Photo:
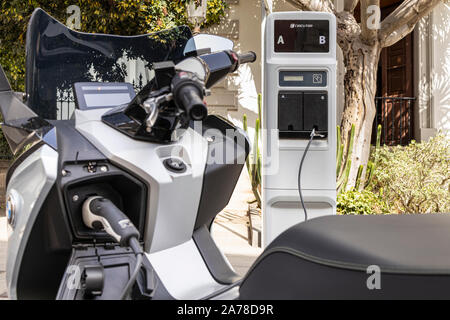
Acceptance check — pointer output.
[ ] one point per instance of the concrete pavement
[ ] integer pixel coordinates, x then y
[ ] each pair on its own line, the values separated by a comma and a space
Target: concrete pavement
3, 243
230, 228
236, 248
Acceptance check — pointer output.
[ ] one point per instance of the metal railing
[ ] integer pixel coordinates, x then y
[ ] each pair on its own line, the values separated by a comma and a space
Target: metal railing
395, 116
65, 104
65, 101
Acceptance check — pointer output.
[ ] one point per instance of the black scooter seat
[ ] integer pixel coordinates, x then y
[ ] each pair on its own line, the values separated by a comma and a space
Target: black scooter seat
337, 257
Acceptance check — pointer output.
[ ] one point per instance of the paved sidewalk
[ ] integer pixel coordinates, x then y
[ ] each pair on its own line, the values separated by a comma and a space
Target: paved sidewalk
240, 254
3, 243
230, 228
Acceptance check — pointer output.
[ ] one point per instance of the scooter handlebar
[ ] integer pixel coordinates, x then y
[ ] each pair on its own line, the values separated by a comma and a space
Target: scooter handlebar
188, 94
247, 57
191, 101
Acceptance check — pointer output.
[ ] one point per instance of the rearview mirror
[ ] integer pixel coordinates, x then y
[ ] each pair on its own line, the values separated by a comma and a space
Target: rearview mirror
206, 43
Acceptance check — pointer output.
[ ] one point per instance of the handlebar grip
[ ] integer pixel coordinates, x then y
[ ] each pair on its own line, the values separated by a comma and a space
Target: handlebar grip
191, 101
248, 57
188, 93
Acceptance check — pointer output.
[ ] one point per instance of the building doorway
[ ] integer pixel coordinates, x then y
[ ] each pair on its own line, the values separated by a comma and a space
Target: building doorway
395, 94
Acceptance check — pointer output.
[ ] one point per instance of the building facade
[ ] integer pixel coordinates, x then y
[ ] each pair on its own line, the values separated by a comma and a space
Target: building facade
413, 96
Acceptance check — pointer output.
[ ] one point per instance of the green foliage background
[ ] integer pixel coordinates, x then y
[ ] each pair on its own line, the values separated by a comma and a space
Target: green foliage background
415, 178
122, 17
365, 202
407, 179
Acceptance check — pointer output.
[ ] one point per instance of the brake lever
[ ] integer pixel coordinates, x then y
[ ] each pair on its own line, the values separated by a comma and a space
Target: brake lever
151, 107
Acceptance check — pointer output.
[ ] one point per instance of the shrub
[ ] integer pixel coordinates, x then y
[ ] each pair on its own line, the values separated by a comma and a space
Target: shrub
363, 202
123, 17
5, 152
415, 178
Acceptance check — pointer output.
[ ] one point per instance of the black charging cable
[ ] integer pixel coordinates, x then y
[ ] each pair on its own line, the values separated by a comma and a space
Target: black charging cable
312, 136
136, 247
101, 213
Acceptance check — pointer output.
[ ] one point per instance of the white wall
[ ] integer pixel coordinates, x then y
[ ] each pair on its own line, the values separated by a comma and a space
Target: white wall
432, 73
238, 94
440, 73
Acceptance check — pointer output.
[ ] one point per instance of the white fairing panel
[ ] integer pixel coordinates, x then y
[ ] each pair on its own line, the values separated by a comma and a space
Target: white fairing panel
183, 272
29, 186
173, 197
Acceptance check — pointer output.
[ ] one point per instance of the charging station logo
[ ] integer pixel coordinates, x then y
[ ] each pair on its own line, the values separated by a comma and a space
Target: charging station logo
125, 223
317, 78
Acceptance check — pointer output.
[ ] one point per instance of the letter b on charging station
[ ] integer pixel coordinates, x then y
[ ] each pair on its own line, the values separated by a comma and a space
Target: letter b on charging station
299, 96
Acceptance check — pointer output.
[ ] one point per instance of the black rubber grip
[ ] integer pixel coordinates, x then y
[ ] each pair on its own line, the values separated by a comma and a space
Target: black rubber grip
248, 57
118, 221
191, 101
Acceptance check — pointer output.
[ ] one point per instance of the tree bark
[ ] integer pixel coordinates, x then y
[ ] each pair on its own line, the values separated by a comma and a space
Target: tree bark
313, 5
361, 62
361, 52
403, 19
350, 5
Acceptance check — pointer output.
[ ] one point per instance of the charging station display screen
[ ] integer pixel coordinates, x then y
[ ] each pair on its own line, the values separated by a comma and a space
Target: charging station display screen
290, 78
302, 36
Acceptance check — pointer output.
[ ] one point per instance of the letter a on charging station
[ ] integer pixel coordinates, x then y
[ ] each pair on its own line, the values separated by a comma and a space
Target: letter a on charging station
299, 96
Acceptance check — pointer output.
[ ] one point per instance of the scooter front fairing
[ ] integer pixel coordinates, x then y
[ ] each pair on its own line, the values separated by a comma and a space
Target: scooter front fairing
66, 154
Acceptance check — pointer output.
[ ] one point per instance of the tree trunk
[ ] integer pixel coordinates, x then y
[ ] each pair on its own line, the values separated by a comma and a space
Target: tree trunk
360, 82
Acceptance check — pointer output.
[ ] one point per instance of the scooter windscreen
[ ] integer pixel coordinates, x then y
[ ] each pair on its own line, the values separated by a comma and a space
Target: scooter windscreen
58, 57
206, 43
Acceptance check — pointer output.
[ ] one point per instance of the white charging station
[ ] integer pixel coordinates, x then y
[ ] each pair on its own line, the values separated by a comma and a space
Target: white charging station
299, 95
